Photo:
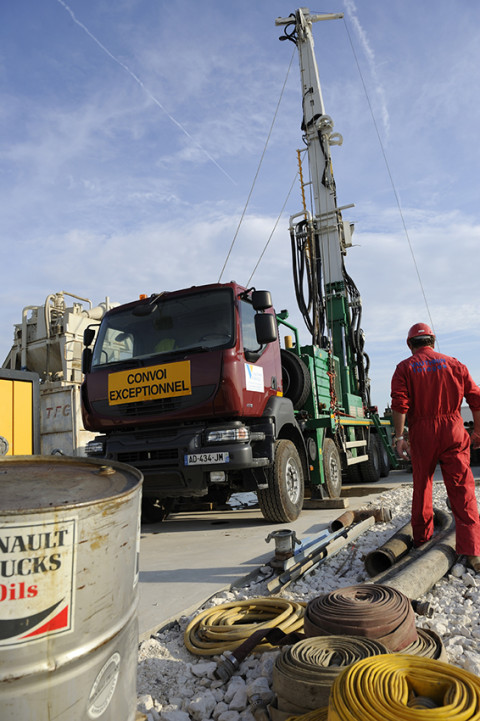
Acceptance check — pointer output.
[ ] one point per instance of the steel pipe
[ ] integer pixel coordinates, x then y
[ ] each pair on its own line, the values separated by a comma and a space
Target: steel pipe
381, 515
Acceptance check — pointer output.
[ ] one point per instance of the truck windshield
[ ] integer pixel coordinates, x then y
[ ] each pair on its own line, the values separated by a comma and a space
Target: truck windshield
196, 321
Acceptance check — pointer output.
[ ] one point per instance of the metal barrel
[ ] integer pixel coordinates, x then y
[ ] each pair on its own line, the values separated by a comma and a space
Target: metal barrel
69, 549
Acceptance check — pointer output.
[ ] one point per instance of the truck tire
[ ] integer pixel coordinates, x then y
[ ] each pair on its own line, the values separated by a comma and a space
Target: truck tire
384, 458
370, 469
332, 468
296, 379
353, 473
282, 501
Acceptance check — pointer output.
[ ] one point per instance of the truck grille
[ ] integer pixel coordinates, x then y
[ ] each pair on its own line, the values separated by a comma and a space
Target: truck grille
134, 457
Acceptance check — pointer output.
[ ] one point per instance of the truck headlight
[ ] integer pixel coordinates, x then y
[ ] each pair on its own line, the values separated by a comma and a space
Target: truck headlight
95, 448
222, 435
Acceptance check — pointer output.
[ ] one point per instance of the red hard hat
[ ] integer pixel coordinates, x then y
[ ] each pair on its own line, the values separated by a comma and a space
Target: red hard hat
418, 330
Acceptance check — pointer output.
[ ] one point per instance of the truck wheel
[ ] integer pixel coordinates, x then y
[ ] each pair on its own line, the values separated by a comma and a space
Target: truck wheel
282, 501
384, 458
332, 468
370, 469
353, 473
296, 379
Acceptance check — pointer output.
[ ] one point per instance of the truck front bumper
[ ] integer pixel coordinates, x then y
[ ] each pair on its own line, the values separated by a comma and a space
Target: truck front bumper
176, 461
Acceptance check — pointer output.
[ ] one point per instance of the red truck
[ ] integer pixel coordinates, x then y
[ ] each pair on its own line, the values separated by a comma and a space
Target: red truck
187, 386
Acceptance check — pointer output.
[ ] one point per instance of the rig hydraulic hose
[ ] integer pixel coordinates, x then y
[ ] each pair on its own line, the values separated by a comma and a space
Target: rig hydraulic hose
225, 627
400, 687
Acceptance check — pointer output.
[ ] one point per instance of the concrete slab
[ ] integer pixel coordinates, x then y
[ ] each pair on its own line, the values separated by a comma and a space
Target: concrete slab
191, 556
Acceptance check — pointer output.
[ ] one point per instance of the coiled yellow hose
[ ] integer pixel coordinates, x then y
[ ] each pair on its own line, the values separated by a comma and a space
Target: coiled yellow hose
223, 628
401, 687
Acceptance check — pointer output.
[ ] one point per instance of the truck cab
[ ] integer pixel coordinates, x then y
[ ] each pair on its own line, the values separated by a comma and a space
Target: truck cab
187, 387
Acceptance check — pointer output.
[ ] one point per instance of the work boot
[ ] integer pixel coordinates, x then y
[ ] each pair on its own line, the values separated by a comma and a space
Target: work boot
474, 562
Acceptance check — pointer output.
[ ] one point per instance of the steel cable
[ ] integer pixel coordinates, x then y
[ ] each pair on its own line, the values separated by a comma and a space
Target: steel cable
225, 627
371, 610
304, 673
401, 687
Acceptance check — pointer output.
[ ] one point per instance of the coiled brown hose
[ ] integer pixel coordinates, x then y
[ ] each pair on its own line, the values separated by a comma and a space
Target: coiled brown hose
370, 610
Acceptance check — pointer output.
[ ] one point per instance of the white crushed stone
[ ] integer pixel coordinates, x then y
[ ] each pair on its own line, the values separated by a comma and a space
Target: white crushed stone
175, 685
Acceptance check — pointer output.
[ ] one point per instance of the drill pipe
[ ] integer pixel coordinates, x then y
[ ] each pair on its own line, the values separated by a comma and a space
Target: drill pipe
346, 519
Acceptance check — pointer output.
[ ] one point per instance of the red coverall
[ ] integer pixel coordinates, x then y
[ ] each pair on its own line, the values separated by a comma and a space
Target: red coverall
430, 387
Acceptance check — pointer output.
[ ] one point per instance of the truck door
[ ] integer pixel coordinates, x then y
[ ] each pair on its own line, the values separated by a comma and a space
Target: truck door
262, 368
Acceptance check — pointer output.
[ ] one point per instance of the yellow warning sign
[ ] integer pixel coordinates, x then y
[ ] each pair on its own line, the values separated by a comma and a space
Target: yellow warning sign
151, 383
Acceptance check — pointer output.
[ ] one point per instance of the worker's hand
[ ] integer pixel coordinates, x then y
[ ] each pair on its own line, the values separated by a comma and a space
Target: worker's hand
403, 448
475, 439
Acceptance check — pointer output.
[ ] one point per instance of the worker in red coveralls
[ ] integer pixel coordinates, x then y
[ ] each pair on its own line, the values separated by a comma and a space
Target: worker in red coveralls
430, 387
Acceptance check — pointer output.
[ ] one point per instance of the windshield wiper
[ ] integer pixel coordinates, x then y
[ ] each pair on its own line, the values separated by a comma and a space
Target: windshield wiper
147, 308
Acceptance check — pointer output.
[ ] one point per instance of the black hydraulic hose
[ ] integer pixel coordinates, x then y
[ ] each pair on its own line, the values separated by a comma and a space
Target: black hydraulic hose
298, 263
307, 271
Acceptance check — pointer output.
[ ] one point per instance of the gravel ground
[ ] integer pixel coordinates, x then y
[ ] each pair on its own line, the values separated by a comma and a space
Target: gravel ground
175, 685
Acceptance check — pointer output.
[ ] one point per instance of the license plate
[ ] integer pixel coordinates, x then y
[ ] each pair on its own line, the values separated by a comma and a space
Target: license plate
199, 459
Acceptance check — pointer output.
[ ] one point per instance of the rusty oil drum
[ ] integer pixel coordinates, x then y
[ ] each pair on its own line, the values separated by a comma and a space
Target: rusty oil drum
69, 548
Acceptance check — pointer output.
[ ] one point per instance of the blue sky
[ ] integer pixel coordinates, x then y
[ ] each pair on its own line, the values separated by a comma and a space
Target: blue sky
131, 132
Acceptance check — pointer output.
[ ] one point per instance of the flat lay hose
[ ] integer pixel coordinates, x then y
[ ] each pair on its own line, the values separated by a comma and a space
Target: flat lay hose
372, 610
401, 687
225, 627
304, 673
320, 714
428, 645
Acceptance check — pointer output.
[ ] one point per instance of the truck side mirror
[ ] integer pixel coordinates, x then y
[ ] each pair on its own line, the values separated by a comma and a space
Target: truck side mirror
86, 360
265, 328
88, 336
261, 299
